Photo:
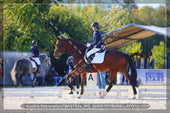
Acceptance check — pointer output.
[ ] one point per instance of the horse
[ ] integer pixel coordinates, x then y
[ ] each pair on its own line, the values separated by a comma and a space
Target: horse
25, 66
114, 61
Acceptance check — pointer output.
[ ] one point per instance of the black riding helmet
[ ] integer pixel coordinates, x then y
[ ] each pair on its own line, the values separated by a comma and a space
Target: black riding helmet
34, 41
95, 24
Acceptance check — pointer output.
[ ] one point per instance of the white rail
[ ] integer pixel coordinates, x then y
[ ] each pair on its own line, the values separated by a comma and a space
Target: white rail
32, 92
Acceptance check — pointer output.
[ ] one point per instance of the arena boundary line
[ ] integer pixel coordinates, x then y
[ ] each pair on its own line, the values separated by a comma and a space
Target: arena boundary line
118, 92
153, 93
143, 93
32, 92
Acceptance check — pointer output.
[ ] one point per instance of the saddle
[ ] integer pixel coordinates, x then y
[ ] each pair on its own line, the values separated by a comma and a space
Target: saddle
33, 62
97, 57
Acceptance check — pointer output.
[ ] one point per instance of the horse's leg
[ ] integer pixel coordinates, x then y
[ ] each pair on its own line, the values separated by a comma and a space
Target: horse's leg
15, 82
34, 80
112, 77
127, 76
21, 82
83, 77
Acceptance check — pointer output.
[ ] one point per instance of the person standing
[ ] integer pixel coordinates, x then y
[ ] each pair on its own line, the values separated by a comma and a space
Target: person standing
101, 81
72, 80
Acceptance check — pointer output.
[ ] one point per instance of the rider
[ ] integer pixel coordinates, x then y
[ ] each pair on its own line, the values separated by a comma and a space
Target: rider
95, 46
35, 54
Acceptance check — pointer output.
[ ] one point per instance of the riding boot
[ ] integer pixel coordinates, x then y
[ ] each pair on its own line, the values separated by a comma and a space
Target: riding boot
88, 68
38, 68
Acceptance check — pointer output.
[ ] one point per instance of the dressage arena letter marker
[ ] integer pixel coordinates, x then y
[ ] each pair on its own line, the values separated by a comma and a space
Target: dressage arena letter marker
91, 82
90, 77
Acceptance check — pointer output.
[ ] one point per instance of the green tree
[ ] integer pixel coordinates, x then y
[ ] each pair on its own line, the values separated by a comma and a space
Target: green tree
132, 48
68, 22
158, 53
1, 26
150, 42
23, 23
150, 16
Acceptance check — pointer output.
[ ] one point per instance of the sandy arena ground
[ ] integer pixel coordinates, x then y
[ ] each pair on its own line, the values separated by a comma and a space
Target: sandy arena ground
83, 103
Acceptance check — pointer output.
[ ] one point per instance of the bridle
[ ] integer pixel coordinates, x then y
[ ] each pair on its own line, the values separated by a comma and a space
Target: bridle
60, 46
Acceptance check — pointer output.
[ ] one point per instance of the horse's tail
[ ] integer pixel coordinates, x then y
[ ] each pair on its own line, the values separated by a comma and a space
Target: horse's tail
15, 70
133, 77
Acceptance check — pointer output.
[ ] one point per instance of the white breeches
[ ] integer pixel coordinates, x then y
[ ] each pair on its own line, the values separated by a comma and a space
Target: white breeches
37, 60
92, 51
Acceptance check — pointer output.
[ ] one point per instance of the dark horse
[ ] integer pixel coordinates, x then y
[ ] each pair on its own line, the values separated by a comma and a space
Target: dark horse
25, 66
114, 61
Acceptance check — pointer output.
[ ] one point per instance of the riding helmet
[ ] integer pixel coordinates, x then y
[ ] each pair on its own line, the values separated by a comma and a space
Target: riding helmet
95, 24
34, 41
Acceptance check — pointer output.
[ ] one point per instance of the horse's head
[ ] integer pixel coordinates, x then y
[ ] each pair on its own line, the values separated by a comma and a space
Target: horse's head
59, 48
45, 59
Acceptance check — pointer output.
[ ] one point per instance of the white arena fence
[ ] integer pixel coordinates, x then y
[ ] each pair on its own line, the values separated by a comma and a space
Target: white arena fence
32, 92
153, 93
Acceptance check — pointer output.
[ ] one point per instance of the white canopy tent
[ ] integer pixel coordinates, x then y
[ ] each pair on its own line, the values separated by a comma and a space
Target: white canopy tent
132, 33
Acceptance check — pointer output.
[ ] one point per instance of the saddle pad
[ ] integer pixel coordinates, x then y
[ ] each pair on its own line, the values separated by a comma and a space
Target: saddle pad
99, 57
33, 64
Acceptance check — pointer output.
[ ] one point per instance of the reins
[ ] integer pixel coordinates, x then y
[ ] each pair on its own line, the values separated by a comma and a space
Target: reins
65, 52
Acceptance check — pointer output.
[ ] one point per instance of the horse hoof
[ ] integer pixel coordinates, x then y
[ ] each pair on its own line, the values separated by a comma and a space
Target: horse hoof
102, 97
134, 97
73, 89
78, 97
32, 85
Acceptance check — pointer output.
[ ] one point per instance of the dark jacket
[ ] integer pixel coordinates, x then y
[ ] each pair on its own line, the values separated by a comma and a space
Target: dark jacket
97, 39
34, 51
68, 66
51, 73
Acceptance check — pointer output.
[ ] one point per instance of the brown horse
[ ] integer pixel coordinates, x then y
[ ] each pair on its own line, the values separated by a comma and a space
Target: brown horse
114, 61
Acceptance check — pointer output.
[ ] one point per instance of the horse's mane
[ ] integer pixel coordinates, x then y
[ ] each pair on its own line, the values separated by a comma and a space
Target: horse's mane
76, 43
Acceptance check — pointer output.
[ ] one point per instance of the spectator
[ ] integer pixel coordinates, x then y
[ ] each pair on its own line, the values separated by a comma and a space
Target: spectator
101, 81
53, 76
72, 80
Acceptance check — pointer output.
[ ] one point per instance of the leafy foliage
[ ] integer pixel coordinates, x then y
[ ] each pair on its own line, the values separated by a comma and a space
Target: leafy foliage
24, 23
158, 53
68, 22
150, 16
132, 48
